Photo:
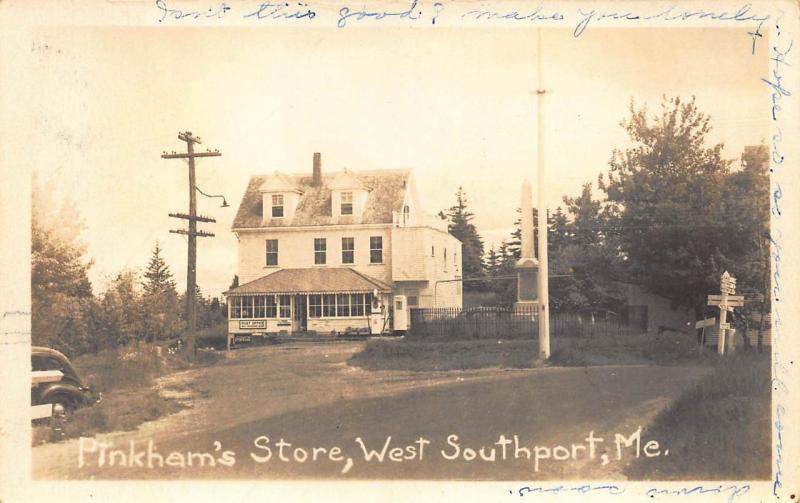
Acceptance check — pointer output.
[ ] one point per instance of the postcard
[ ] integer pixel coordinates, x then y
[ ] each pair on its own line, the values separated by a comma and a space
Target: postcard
335, 250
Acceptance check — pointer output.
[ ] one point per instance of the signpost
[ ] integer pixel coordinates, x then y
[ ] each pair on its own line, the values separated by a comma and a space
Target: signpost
726, 302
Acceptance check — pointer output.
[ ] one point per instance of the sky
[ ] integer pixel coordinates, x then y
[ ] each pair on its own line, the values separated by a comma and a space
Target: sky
455, 105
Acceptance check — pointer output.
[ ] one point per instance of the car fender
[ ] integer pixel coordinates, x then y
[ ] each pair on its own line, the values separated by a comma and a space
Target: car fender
59, 388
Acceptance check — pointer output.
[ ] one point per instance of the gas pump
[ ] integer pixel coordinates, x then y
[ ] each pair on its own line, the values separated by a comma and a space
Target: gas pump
377, 316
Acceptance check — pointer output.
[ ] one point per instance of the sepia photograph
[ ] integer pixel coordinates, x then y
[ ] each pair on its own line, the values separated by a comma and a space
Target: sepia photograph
529, 244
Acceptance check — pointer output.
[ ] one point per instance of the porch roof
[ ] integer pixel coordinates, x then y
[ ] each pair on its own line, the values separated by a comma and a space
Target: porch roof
312, 280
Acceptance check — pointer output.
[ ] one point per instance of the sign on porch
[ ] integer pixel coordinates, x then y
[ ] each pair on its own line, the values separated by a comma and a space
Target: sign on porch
243, 324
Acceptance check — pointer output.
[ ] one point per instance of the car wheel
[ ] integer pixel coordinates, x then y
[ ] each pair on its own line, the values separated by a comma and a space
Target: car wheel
63, 405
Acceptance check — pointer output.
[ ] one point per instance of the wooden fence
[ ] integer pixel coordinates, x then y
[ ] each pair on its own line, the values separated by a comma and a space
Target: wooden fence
505, 323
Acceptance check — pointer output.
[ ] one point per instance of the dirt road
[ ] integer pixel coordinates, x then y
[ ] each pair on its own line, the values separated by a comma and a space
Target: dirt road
344, 422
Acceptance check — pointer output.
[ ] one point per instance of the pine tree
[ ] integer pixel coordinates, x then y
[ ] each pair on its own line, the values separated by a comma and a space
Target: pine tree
158, 278
461, 226
161, 306
560, 231
492, 263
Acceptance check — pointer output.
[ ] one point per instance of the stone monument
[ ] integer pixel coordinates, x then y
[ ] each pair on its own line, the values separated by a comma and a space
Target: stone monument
527, 265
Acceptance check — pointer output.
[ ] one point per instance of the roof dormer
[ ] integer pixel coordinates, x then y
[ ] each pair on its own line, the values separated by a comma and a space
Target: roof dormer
348, 196
279, 197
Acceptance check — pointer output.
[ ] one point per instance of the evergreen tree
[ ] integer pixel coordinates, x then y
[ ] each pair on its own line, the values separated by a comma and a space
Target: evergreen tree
560, 231
588, 223
158, 277
492, 263
460, 225
160, 304
123, 318
506, 289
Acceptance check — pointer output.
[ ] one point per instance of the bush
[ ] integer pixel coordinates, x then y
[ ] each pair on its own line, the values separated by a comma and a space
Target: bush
213, 337
125, 367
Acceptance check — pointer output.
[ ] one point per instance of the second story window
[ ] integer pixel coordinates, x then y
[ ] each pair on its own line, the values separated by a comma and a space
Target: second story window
320, 249
277, 205
348, 250
347, 203
376, 250
272, 252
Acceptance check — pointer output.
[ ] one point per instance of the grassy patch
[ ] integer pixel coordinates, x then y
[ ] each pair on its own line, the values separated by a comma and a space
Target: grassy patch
124, 377
122, 410
457, 355
422, 355
718, 429
666, 349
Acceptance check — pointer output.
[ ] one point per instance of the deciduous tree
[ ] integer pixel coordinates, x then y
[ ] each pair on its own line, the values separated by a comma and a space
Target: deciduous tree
666, 191
61, 293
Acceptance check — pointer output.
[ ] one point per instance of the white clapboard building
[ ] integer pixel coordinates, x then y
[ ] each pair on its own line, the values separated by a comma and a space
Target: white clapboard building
342, 252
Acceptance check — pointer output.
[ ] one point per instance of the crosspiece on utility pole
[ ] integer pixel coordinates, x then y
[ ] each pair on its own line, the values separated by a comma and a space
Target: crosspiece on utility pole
202, 234
189, 156
198, 218
192, 232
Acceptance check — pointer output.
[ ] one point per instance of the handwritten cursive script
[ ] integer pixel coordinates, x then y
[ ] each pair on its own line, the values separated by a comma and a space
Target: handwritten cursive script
178, 14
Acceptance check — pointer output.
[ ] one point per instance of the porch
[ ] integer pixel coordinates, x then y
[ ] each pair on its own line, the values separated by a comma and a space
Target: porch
315, 300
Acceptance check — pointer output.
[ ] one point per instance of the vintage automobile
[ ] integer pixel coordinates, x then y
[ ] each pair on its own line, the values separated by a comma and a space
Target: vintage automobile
67, 394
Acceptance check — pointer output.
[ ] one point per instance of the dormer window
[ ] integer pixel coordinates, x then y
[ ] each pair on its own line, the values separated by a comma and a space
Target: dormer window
347, 203
277, 205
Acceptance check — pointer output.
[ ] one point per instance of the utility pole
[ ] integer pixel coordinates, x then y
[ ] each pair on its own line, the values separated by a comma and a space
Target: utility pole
192, 233
543, 294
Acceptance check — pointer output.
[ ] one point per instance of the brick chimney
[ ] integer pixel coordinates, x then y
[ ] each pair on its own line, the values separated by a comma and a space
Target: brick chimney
317, 173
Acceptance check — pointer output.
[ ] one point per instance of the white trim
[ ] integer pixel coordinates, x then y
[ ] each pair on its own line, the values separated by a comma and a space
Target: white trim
297, 228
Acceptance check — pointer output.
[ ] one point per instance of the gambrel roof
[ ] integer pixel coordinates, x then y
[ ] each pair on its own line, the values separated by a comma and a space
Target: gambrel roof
386, 190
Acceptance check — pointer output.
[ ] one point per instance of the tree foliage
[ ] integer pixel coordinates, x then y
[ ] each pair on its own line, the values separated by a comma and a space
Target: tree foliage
160, 301
666, 193
61, 293
460, 225
746, 203
68, 316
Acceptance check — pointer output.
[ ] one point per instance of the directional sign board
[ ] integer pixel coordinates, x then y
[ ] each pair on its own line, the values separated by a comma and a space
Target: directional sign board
727, 303
708, 322
730, 297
